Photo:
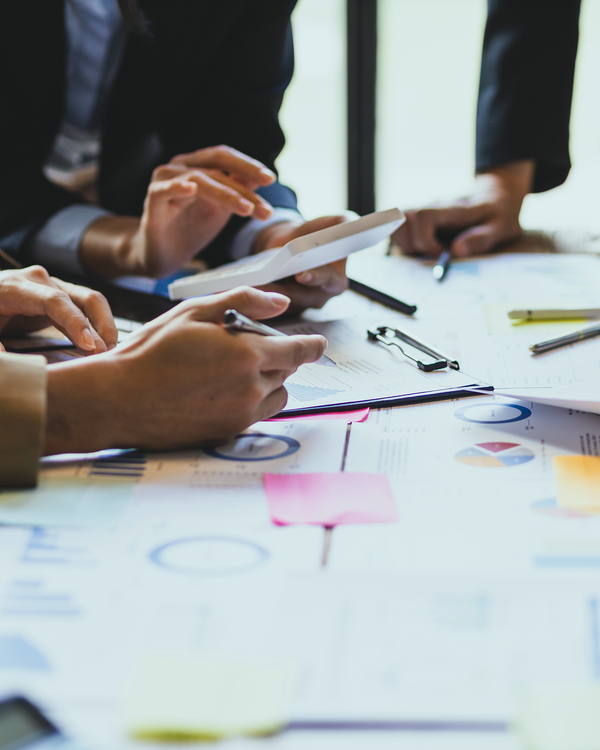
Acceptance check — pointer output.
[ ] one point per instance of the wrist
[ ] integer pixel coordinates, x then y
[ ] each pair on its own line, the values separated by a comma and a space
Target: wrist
108, 247
514, 179
81, 415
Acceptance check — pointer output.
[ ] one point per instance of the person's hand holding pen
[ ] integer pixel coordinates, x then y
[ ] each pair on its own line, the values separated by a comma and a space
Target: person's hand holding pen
181, 380
480, 221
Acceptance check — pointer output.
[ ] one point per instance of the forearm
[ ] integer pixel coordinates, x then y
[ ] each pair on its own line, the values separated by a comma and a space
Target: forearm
526, 85
22, 414
107, 248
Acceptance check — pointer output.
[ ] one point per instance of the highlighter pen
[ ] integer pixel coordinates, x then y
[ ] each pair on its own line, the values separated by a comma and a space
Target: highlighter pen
381, 297
562, 314
442, 265
235, 321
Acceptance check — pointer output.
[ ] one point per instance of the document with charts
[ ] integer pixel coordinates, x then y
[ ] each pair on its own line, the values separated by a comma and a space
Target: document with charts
365, 373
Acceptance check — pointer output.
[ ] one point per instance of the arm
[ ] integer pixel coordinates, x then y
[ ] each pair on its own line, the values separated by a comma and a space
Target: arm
22, 418
522, 127
526, 87
182, 380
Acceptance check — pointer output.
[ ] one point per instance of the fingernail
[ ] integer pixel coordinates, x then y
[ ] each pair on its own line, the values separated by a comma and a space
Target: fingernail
305, 278
246, 206
267, 173
276, 297
88, 339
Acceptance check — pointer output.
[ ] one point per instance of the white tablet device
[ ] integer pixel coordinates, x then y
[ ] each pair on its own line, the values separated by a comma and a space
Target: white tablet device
301, 254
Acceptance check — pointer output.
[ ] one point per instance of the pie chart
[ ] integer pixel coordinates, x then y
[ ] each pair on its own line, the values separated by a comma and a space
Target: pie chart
493, 413
495, 455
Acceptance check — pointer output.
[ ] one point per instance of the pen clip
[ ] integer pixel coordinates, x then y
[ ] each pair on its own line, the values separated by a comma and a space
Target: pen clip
392, 336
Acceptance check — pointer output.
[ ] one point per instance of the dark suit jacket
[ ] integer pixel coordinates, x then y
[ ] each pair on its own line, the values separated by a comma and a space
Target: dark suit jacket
213, 72
526, 86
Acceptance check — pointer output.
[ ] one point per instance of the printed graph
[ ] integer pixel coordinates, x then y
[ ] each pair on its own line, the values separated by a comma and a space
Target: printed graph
209, 555
495, 455
122, 464
255, 446
493, 413
309, 392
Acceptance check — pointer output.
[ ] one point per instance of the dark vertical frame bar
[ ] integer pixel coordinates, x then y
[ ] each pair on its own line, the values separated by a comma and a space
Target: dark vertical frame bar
362, 78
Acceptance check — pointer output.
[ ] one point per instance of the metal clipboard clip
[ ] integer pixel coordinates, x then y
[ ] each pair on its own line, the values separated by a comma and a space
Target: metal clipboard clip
393, 336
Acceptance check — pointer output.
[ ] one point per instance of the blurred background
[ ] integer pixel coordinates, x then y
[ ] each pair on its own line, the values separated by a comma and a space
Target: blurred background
428, 73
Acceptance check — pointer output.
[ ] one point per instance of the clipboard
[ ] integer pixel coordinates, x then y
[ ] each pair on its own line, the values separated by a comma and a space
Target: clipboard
373, 372
385, 403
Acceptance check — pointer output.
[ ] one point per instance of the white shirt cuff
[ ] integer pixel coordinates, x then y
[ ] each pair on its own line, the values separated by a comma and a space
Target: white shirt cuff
243, 241
56, 245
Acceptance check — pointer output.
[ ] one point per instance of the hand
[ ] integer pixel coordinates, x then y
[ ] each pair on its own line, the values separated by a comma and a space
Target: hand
30, 299
311, 288
187, 204
483, 220
181, 380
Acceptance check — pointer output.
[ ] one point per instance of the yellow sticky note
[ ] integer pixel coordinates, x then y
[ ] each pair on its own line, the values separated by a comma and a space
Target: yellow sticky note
578, 482
560, 717
207, 696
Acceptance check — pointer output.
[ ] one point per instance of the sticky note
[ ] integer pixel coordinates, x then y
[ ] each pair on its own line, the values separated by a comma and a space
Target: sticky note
560, 717
577, 482
330, 499
193, 695
349, 416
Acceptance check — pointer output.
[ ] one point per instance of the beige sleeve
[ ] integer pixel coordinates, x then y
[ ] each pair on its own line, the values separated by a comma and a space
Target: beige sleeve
22, 417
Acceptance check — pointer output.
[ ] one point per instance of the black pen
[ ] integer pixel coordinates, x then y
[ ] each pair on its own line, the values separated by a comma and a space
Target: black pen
570, 338
384, 299
442, 265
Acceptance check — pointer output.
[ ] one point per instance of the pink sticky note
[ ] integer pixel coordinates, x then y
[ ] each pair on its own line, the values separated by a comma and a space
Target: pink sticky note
330, 499
349, 416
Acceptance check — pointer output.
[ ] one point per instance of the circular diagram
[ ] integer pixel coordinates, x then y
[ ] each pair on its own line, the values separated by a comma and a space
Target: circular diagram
495, 455
209, 555
255, 446
550, 507
492, 413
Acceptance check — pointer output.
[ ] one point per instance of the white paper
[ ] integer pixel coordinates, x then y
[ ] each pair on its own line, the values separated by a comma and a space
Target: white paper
364, 370
583, 396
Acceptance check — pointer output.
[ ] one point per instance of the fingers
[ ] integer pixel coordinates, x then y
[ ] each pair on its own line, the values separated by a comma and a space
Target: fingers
476, 241
228, 160
273, 403
417, 236
331, 278
184, 188
97, 310
290, 352
67, 317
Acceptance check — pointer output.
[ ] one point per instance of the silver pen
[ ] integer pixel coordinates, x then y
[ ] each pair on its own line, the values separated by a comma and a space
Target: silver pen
570, 338
235, 321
